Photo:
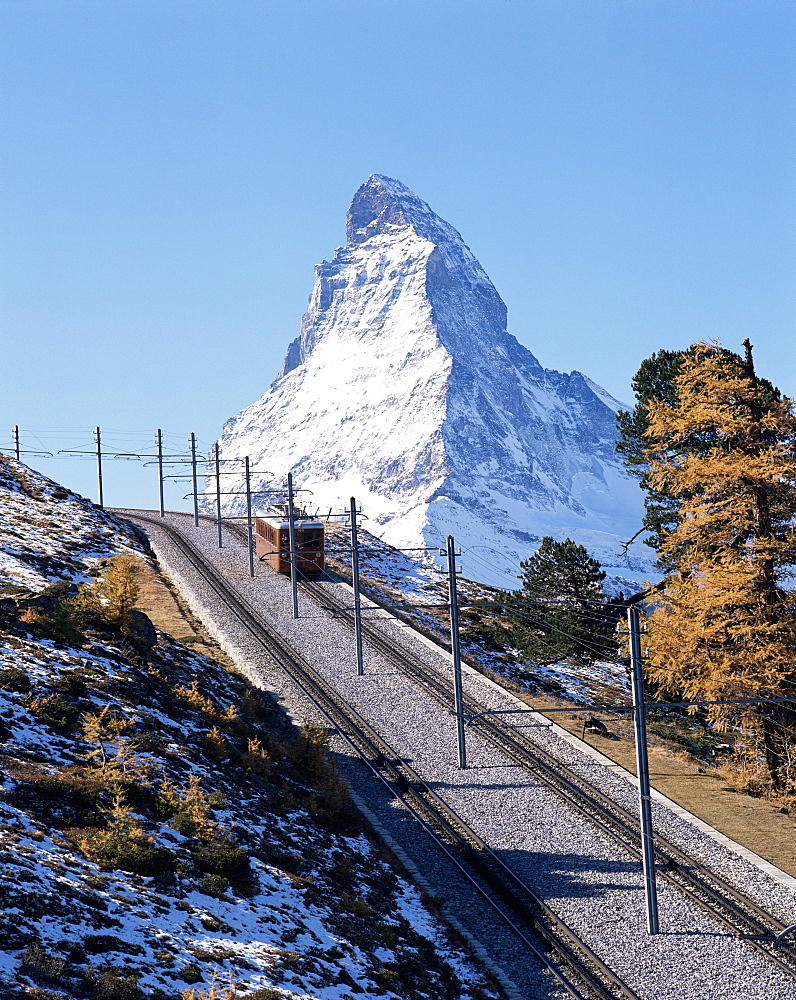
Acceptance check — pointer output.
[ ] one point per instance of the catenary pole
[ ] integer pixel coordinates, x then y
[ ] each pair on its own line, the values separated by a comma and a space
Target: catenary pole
195, 486
16, 441
642, 766
100, 499
160, 472
291, 521
458, 706
249, 517
218, 498
355, 583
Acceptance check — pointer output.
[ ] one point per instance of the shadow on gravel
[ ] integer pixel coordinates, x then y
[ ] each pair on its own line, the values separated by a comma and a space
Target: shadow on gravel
573, 876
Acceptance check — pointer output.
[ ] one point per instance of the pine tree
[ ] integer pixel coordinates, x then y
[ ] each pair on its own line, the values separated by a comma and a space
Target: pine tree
564, 609
653, 382
722, 448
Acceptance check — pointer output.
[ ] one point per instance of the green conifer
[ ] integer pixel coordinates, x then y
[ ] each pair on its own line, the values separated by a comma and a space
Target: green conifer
561, 609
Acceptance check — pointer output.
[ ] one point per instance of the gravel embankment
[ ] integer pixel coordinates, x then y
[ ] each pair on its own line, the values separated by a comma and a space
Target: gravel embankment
588, 880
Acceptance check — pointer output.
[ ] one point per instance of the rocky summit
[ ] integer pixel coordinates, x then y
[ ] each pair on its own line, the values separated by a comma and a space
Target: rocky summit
406, 390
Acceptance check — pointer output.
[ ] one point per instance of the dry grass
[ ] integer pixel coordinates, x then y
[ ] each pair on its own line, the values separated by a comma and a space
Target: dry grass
755, 823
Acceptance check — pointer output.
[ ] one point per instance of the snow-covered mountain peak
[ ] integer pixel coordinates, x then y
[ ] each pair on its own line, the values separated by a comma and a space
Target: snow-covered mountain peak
384, 206
406, 390
401, 260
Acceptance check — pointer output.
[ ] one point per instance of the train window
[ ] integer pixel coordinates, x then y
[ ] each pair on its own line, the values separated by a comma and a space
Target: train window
312, 540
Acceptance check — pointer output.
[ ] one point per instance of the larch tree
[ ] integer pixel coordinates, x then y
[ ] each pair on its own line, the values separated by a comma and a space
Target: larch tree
722, 449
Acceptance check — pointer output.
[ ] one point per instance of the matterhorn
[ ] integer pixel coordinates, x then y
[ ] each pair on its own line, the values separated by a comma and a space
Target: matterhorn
406, 391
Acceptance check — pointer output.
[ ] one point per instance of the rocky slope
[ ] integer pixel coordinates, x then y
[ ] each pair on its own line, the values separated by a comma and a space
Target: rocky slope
406, 390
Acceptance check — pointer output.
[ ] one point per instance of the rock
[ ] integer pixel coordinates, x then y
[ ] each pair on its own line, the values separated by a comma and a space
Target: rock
140, 630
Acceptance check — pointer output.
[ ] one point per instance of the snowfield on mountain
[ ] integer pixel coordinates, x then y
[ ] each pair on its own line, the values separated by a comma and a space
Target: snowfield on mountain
406, 390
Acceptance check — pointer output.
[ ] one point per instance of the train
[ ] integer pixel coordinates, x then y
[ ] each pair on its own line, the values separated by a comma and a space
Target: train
272, 543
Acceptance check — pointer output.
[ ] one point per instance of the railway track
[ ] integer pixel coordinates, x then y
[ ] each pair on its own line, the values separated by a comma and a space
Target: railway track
707, 889
576, 968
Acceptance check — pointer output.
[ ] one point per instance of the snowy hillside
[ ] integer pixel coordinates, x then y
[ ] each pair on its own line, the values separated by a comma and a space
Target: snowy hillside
49, 534
405, 390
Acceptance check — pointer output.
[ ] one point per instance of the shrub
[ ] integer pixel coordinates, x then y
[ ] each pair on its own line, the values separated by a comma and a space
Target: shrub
40, 964
54, 615
111, 751
217, 991
310, 750
189, 808
190, 974
356, 905
222, 858
216, 745
14, 679
330, 803
249, 704
54, 709
214, 885
119, 588
194, 698
257, 759
72, 683
124, 845
111, 983
95, 944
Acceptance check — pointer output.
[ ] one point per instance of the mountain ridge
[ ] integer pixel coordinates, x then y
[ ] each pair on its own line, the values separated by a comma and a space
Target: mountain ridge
406, 390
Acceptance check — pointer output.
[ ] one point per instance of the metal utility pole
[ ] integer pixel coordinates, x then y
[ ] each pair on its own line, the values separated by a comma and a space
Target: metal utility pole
160, 472
195, 487
458, 706
100, 501
642, 765
355, 582
249, 517
16, 441
218, 498
291, 514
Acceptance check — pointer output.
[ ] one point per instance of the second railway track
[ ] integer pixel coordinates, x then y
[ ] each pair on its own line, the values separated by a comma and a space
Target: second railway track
737, 911
707, 889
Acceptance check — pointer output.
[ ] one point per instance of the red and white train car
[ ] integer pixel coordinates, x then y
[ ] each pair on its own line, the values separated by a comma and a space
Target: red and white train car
272, 537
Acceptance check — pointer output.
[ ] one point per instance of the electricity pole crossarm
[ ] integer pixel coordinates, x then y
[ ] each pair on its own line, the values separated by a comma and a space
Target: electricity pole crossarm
36, 453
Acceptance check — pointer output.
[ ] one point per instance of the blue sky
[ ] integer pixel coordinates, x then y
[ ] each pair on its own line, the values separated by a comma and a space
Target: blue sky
171, 172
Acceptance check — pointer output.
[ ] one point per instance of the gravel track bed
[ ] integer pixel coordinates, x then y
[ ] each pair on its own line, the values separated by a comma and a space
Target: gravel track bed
589, 881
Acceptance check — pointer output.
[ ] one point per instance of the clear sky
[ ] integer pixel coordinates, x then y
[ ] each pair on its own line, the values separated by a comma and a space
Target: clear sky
171, 172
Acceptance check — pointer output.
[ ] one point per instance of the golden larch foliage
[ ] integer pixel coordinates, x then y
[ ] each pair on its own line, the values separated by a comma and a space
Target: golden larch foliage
725, 625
